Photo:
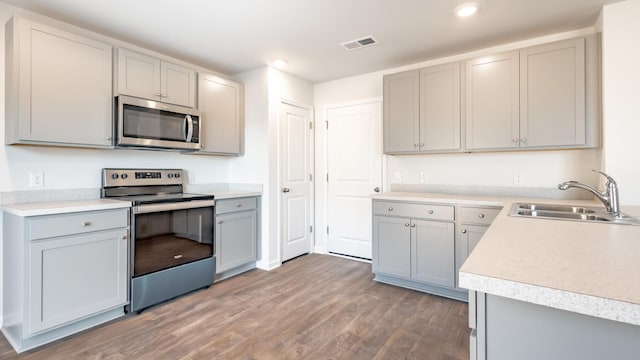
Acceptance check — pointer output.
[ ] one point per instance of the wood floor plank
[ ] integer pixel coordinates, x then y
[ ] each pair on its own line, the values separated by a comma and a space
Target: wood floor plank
312, 307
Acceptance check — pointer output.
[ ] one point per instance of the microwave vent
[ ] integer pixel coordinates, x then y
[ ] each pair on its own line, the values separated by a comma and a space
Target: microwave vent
359, 43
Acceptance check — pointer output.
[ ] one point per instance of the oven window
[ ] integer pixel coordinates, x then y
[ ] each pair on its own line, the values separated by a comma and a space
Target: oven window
171, 238
145, 123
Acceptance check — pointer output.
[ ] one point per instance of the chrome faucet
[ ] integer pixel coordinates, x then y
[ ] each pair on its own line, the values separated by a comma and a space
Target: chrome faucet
609, 197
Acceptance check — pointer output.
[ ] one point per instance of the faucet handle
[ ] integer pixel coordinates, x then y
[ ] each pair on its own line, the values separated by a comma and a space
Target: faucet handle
609, 178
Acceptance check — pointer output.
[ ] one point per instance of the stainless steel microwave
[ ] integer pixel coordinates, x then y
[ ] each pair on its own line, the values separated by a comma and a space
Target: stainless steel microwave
155, 125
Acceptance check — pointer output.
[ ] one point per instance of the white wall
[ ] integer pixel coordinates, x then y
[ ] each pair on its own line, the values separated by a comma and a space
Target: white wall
265, 88
621, 97
537, 168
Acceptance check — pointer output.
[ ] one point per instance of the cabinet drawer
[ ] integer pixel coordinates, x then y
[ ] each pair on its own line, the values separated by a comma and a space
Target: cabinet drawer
232, 205
478, 215
77, 223
416, 211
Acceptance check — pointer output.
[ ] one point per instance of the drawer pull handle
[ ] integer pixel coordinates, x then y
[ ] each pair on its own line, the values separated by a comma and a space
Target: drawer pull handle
481, 216
177, 256
390, 209
430, 212
86, 223
239, 205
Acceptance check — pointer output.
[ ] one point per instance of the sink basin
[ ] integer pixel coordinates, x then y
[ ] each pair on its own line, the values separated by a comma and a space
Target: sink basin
558, 208
569, 212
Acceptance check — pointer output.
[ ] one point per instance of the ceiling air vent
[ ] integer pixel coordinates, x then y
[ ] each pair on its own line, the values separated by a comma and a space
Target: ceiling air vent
359, 43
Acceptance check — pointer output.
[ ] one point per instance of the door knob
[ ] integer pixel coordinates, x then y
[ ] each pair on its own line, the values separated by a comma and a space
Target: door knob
377, 189
285, 190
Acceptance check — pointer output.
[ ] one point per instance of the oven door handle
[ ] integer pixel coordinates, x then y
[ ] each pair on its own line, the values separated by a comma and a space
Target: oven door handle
151, 208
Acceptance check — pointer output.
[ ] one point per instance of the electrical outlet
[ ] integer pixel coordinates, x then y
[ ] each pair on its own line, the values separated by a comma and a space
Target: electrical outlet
423, 177
517, 178
36, 179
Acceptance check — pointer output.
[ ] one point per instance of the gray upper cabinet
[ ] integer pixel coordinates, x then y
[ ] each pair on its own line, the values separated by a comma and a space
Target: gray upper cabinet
58, 87
491, 104
401, 112
222, 111
532, 98
440, 107
552, 94
150, 78
422, 110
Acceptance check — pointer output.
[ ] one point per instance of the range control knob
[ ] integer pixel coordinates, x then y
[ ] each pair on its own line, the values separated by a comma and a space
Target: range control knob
177, 175
124, 176
114, 176
170, 175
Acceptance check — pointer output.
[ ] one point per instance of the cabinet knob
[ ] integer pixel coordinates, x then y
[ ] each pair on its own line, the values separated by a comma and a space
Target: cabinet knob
413, 225
124, 237
376, 189
164, 95
481, 216
523, 139
515, 140
430, 212
86, 223
390, 209
157, 94
109, 138
416, 145
464, 231
239, 205
407, 224
421, 144
285, 190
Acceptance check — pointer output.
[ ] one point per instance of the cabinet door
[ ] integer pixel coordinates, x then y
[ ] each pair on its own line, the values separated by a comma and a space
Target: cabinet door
76, 276
392, 246
64, 88
552, 94
440, 107
401, 112
221, 108
177, 84
236, 243
473, 236
432, 250
492, 102
138, 75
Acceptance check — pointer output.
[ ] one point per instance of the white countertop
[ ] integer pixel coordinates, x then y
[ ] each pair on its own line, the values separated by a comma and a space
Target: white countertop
588, 268
60, 207
232, 194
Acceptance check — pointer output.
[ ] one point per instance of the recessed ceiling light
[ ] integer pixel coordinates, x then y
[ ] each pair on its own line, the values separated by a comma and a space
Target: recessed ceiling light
279, 63
466, 9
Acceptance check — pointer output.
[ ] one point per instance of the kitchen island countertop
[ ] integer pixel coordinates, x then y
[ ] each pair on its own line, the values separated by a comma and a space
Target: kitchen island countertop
587, 268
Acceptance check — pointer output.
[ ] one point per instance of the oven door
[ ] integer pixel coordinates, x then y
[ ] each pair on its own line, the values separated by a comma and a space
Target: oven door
167, 235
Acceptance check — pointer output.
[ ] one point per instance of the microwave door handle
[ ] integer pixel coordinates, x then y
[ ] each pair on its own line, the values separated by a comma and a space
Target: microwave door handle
189, 125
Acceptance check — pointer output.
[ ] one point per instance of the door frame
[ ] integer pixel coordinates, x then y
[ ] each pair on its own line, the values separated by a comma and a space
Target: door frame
323, 189
311, 145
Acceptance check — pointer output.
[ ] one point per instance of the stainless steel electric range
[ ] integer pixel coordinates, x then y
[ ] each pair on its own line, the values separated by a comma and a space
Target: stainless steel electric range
172, 248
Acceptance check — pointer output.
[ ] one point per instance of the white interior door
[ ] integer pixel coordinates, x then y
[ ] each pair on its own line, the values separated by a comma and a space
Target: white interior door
295, 180
355, 172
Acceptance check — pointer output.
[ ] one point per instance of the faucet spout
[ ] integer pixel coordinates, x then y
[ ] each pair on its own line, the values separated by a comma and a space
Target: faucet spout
609, 197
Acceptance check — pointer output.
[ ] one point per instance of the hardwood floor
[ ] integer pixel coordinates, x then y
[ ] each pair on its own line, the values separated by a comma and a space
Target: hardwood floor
313, 307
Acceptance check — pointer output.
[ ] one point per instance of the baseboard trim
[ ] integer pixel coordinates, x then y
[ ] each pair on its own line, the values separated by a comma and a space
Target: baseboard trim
268, 266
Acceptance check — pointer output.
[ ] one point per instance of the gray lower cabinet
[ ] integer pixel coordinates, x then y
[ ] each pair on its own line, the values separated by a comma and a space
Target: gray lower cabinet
506, 329
58, 87
473, 223
414, 246
63, 273
236, 236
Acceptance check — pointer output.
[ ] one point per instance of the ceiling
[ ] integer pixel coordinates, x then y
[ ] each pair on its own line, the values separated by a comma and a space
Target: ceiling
234, 36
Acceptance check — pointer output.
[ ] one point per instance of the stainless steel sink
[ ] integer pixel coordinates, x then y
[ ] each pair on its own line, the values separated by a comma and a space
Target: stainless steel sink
569, 212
